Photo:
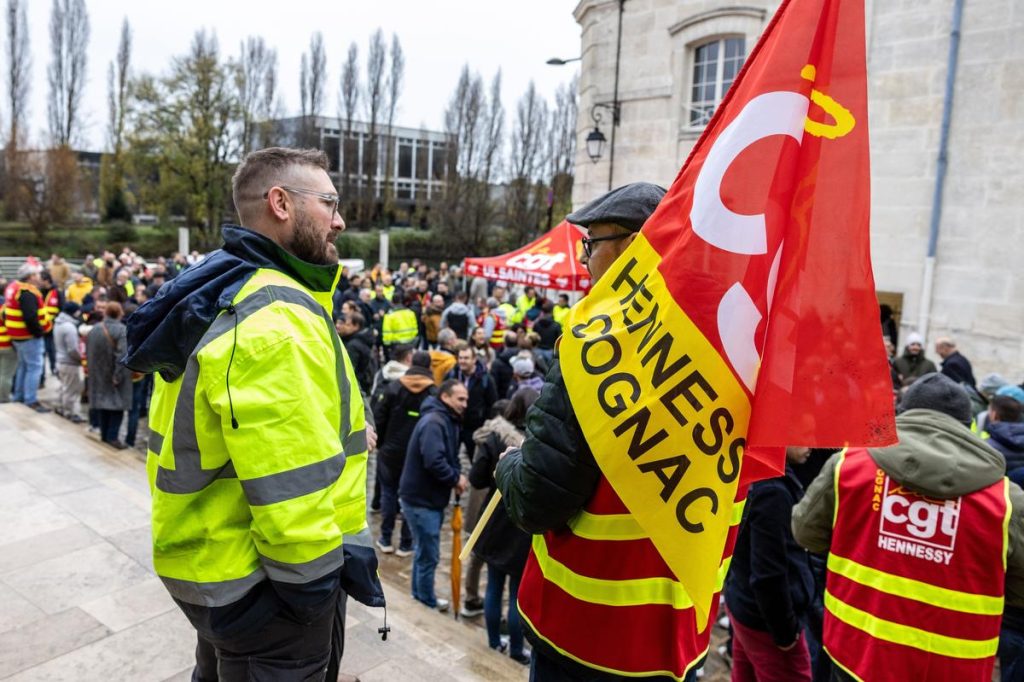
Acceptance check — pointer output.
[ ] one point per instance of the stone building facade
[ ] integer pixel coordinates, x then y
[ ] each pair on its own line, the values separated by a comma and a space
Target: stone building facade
677, 57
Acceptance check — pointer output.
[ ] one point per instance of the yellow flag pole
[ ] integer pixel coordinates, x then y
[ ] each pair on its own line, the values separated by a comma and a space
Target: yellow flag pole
479, 528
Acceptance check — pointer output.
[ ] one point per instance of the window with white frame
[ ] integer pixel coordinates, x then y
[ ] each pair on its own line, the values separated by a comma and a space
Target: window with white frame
715, 65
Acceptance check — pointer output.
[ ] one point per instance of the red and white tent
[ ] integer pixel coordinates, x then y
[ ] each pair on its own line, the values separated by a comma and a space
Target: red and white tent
551, 262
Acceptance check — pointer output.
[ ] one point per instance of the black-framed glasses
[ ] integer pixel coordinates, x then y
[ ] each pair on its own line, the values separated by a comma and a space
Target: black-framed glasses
329, 199
588, 242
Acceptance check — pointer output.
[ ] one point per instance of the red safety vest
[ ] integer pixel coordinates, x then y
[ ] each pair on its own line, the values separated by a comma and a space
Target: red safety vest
5, 337
915, 584
599, 593
13, 318
51, 307
498, 335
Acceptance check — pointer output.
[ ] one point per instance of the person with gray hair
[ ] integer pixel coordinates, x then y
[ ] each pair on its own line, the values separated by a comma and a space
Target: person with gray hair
26, 323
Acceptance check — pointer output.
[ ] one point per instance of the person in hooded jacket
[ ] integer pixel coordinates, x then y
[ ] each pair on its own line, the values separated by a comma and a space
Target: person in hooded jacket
547, 331
1006, 434
459, 317
871, 510
431, 321
396, 413
501, 368
259, 434
502, 546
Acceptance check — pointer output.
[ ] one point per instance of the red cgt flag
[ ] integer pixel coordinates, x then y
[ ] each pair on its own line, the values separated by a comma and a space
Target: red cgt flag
743, 318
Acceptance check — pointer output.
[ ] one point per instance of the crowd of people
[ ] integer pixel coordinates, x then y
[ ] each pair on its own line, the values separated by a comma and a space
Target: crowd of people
66, 323
907, 558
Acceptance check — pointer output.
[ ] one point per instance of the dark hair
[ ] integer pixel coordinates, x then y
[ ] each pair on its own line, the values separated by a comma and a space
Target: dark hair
499, 407
519, 405
548, 307
461, 297
114, 311
357, 319
448, 387
1006, 408
400, 351
261, 169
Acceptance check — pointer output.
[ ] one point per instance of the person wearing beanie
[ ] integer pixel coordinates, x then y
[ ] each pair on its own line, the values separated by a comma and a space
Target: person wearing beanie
933, 512
396, 412
524, 374
69, 362
912, 364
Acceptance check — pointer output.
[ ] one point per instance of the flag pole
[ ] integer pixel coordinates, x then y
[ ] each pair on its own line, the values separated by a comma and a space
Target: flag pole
485, 516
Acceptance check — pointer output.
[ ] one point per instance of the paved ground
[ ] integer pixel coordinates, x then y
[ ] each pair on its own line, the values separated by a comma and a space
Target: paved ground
79, 600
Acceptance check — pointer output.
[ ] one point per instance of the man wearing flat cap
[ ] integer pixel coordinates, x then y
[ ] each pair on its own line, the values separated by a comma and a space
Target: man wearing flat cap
550, 479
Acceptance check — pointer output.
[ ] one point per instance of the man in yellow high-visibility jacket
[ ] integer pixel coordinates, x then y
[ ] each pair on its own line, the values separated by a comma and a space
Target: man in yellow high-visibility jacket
257, 449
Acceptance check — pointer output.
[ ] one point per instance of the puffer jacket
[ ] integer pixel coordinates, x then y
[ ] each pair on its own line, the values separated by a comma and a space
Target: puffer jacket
1008, 439
548, 480
432, 459
501, 544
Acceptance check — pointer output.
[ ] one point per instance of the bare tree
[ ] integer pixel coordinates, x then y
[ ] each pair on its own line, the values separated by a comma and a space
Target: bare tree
526, 162
69, 39
562, 148
303, 99
113, 201
376, 63
394, 90
256, 81
312, 86
348, 100
18, 75
19, 71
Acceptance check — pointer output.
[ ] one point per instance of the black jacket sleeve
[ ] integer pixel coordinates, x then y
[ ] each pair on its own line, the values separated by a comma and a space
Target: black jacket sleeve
548, 480
481, 473
29, 305
769, 520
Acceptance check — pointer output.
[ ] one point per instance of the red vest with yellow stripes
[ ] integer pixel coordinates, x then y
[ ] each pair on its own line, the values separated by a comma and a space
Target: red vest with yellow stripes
5, 337
915, 584
51, 308
599, 593
13, 318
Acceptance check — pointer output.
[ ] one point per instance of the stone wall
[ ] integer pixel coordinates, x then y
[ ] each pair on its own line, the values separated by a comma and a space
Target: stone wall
978, 294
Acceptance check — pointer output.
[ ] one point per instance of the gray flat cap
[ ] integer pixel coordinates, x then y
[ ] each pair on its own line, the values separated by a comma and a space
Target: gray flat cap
628, 206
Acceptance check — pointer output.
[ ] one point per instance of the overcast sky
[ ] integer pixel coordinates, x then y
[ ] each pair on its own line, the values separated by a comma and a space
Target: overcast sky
437, 37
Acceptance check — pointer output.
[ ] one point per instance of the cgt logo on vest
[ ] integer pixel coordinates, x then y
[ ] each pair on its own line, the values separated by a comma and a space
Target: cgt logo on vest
918, 526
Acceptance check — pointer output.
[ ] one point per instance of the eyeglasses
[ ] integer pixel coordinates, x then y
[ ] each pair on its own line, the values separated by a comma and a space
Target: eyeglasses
329, 199
588, 242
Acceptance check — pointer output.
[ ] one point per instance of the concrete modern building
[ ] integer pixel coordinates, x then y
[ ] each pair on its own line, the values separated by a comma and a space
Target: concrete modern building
418, 158
678, 58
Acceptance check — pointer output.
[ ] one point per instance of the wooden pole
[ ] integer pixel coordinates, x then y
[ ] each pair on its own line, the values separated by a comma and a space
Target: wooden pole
479, 528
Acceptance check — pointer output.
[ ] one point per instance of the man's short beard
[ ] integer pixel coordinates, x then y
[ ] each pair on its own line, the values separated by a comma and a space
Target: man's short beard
306, 243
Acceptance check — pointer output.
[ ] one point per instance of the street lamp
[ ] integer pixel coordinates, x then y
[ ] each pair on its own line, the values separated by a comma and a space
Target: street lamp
596, 139
556, 61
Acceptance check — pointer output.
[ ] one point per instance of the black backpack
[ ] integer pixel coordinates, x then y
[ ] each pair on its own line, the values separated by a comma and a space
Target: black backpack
459, 323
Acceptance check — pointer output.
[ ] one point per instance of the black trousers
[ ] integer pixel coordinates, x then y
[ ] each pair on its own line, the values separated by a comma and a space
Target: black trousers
282, 651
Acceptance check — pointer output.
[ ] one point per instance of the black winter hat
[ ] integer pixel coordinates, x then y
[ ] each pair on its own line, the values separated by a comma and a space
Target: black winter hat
628, 206
70, 308
938, 392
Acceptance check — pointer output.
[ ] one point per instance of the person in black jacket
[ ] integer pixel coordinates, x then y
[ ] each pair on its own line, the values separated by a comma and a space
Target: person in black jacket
954, 365
502, 546
770, 584
501, 368
548, 331
431, 472
396, 413
358, 342
552, 476
471, 373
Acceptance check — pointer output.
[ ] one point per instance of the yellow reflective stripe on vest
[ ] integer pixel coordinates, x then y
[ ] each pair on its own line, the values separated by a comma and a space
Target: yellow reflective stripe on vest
907, 635
908, 588
634, 592
613, 671
624, 526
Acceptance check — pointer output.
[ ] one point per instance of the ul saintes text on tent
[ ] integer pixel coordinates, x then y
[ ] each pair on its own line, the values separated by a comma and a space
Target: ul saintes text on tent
915, 525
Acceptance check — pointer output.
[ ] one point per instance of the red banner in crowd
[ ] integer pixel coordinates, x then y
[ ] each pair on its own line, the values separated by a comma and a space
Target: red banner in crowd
551, 262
